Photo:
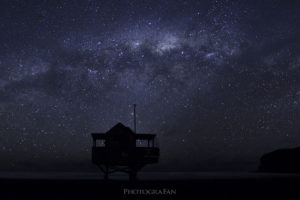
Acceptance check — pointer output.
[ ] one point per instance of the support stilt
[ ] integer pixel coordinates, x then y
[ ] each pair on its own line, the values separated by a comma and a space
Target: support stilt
106, 173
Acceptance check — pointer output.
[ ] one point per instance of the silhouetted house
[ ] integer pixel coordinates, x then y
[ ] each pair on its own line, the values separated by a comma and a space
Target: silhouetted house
282, 160
120, 149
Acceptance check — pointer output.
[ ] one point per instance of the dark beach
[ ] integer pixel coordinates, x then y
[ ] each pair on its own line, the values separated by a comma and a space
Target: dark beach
202, 186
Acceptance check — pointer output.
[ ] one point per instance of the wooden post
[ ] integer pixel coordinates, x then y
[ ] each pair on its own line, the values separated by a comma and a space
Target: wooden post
134, 119
106, 173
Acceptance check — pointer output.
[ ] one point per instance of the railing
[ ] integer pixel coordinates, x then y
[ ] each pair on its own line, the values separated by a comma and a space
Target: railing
153, 143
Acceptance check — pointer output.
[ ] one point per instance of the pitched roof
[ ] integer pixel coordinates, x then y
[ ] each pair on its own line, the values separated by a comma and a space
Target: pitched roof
119, 128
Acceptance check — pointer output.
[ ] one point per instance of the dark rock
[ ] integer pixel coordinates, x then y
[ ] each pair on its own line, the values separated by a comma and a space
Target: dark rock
282, 160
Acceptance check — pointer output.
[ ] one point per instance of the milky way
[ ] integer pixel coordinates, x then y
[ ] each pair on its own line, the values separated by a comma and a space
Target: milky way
217, 81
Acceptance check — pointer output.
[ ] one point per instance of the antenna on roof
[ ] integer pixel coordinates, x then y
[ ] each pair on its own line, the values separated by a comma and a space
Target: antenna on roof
134, 118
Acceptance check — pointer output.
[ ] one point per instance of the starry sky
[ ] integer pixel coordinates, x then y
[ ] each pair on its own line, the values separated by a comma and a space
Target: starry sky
217, 81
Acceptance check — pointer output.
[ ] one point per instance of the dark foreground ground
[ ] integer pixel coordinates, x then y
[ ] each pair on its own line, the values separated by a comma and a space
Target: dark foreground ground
270, 187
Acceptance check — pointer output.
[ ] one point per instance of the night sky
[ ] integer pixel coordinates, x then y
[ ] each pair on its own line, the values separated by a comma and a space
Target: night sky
217, 81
